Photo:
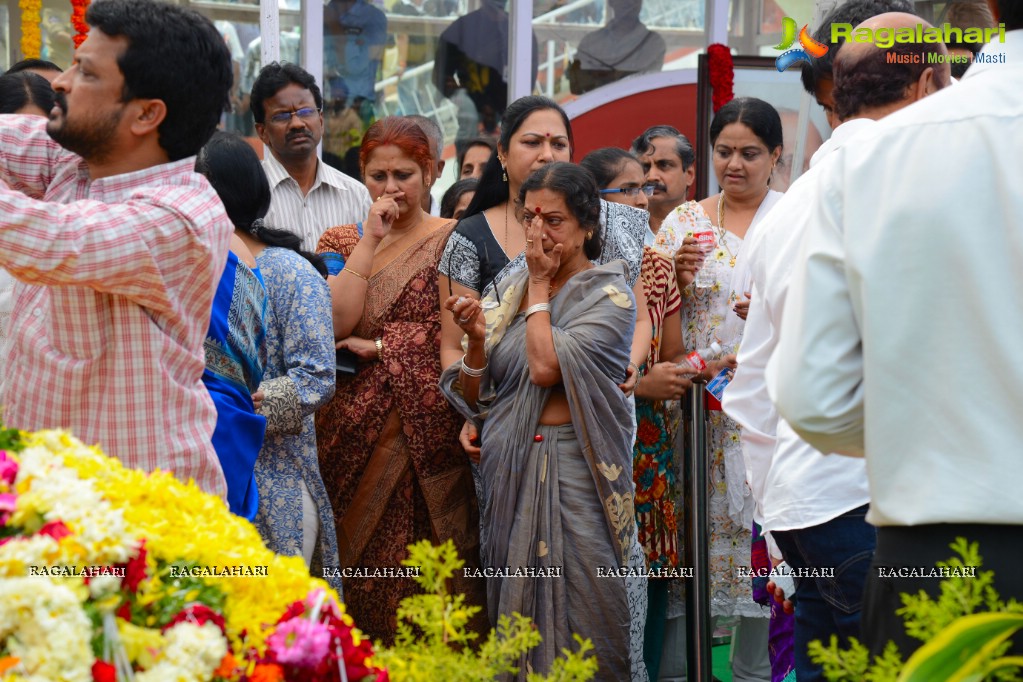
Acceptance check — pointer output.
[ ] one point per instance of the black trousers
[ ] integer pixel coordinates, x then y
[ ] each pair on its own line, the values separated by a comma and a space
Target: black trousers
920, 547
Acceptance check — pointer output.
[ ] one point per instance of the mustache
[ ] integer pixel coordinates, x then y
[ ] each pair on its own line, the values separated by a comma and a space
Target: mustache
296, 134
658, 187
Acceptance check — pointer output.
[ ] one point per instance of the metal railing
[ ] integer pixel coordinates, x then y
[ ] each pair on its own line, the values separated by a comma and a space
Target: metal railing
696, 549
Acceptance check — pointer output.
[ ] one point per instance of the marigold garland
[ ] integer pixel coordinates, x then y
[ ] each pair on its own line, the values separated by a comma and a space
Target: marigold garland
31, 37
78, 20
722, 74
105, 573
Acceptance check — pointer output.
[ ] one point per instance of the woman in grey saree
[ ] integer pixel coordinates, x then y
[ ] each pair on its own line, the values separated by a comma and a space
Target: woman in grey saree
556, 439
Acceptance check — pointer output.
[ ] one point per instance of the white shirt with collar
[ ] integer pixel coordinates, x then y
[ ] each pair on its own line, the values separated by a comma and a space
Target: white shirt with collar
901, 334
794, 485
334, 199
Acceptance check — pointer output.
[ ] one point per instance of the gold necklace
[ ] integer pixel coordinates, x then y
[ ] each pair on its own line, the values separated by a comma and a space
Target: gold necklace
721, 229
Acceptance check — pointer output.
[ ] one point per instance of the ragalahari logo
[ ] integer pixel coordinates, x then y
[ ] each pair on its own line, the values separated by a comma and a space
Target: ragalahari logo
810, 48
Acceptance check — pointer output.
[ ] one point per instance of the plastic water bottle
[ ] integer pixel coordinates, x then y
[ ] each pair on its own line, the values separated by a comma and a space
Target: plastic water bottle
698, 358
707, 275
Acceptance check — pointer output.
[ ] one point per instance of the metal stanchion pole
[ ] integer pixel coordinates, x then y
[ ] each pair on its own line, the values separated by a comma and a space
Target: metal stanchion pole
696, 548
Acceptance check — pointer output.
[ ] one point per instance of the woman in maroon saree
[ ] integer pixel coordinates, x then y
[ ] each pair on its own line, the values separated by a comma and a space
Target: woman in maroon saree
388, 441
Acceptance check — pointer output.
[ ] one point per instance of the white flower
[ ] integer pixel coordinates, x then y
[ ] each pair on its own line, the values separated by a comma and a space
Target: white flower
42, 624
192, 653
102, 586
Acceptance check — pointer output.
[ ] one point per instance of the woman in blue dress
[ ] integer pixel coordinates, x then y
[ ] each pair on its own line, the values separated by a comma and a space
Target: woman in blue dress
294, 514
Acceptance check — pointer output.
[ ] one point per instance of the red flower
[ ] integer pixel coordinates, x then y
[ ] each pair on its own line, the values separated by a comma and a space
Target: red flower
124, 611
648, 434
56, 530
103, 672
198, 614
78, 20
135, 570
722, 74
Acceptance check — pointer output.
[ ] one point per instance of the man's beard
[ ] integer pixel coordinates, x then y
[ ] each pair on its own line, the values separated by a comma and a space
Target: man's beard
91, 140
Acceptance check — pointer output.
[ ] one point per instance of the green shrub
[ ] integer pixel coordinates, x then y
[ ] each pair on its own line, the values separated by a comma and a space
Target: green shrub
965, 631
433, 642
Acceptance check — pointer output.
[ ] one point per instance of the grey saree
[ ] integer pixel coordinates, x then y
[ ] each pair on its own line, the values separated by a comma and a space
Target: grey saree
563, 501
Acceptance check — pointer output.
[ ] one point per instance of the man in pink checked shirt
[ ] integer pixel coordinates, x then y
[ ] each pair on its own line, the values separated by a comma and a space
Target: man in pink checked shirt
117, 244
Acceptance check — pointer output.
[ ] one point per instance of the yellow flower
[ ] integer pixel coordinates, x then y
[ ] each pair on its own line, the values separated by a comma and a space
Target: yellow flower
31, 40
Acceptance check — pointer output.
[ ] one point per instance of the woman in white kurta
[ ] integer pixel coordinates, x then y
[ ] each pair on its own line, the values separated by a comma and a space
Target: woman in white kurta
745, 137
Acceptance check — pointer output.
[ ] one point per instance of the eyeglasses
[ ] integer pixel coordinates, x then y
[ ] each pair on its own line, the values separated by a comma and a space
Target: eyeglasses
305, 113
631, 191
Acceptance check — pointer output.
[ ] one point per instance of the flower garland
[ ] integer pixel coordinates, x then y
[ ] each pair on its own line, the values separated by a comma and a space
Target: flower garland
105, 574
722, 74
78, 20
31, 37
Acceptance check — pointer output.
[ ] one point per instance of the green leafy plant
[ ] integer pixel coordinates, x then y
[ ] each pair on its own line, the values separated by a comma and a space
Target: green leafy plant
965, 631
434, 642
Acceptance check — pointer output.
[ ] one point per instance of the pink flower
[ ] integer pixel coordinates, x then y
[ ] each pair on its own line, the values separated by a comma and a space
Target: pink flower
8, 468
56, 530
7, 502
299, 642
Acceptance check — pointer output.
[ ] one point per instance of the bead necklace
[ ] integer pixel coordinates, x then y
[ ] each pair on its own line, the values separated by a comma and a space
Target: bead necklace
721, 229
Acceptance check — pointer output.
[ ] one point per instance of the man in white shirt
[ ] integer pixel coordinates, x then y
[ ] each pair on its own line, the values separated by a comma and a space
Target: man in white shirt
912, 250
308, 196
813, 505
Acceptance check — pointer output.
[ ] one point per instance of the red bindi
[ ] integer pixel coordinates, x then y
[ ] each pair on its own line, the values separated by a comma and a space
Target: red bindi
538, 211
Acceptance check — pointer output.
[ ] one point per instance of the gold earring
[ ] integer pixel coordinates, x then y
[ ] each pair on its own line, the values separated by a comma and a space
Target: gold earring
589, 235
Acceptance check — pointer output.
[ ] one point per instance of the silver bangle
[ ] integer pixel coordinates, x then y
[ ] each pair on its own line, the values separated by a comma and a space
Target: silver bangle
538, 308
470, 372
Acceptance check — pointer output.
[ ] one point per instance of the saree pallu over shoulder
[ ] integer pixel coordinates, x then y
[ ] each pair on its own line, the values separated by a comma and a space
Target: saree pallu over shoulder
388, 441
541, 493
235, 350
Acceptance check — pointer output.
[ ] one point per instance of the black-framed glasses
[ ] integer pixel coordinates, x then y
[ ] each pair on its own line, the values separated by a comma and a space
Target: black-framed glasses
305, 113
631, 191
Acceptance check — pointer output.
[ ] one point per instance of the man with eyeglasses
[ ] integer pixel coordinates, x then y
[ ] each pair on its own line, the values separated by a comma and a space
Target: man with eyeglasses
308, 196
667, 157
630, 191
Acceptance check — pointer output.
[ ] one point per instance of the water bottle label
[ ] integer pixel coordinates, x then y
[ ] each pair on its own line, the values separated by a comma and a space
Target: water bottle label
696, 361
705, 240
716, 386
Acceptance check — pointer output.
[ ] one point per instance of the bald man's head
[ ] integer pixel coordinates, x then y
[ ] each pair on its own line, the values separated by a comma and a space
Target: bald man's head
872, 81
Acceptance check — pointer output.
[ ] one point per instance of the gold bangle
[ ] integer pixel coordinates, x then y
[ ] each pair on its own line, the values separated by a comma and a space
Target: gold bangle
379, 343
357, 274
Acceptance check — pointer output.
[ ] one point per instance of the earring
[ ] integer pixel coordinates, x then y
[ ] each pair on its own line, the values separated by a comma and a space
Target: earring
504, 173
589, 235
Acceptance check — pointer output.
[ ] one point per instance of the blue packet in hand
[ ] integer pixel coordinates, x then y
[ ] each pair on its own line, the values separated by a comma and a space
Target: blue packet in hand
716, 386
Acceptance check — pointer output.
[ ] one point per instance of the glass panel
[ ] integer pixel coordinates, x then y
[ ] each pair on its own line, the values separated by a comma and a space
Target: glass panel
238, 23
379, 60
584, 44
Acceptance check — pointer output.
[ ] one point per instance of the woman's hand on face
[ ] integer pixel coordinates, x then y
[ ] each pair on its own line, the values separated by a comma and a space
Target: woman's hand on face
542, 266
468, 315
365, 349
470, 441
688, 260
382, 215
667, 381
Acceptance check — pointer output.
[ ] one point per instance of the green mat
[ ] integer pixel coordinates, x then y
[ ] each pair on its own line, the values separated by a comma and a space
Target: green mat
721, 666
